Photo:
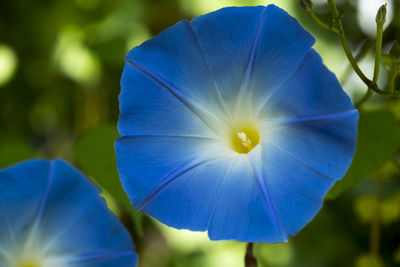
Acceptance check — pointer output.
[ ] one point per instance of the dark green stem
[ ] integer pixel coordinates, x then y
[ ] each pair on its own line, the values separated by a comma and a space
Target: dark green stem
371, 85
360, 55
322, 24
365, 98
345, 46
378, 51
339, 31
376, 223
378, 55
249, 259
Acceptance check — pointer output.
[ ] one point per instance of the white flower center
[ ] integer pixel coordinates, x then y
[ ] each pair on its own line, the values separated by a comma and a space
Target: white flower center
34, 251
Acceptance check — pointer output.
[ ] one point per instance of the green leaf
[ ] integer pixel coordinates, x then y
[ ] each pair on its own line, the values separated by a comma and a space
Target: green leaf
378, 139
95, 155
13, 150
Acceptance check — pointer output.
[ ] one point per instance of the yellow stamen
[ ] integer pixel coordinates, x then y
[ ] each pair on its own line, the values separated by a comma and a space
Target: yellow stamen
245, 139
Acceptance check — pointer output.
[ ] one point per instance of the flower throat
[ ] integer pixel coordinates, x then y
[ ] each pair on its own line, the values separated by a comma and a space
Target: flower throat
244, 139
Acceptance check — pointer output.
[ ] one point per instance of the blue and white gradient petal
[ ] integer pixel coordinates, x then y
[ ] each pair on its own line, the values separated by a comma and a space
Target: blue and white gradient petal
231, 124
51, 215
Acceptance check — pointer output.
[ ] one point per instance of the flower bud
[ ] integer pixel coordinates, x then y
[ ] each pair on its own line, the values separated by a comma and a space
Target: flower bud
306, 4
381, 14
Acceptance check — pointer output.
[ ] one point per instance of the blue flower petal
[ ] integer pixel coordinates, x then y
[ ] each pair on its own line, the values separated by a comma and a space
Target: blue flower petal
191, 185
326, 144
296, 197
78, 213
283, 45
69, 219
18, 194
161, 160
198, 188
226, 38
118, 258
238, 44
312, 90
180, 67
153, 110
244, 211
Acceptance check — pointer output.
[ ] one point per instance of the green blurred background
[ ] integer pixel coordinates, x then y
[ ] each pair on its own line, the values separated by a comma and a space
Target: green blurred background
60, 66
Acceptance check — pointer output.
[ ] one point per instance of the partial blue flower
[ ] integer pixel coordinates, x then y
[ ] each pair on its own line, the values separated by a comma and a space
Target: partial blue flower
52, 216
231, 124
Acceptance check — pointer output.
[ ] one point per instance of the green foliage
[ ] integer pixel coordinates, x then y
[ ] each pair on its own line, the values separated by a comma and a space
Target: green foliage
279, 254
13, 150
366, 207
390, 209
94, 152
95, 156
395, 51
396, 256
378, 139
369, 260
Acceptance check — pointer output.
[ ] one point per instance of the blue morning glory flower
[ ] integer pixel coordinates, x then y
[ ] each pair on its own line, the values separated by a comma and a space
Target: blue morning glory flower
51, 215
231, 124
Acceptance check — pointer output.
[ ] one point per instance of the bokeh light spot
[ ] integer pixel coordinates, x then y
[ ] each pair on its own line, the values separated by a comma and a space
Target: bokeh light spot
75, 60
8, 64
